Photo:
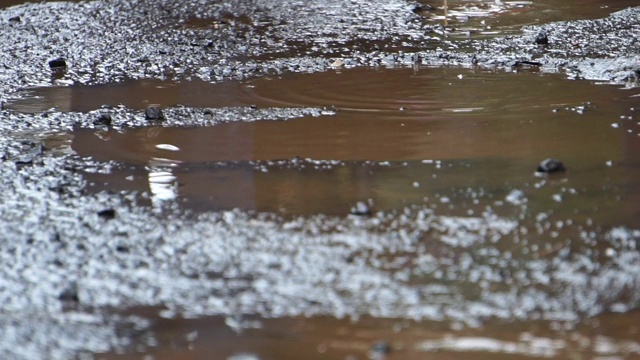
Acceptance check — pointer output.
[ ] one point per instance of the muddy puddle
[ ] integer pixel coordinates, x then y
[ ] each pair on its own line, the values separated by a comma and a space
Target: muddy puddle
370, 338
404, 220
487, 18
398, 137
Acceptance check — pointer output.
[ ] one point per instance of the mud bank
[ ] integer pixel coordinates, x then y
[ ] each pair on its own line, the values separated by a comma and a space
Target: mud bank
71, 256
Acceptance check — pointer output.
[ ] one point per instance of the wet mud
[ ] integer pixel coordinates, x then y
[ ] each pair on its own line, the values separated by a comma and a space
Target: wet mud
328, 179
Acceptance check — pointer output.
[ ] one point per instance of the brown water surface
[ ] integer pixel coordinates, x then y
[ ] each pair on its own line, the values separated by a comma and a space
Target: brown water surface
398, 137
328, 338
493, 18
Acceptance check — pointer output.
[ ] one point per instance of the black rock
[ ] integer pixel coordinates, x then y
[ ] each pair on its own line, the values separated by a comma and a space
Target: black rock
153, 113
419, 8
107, 214
70, 294
379, 350
58, 63
542, 39
15, 19
551, 166
103, 119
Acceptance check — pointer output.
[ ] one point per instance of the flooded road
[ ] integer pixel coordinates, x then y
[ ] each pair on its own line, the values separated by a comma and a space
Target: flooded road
326, 181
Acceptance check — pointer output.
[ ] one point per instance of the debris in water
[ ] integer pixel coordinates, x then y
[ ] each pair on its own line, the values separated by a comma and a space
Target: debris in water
551, 166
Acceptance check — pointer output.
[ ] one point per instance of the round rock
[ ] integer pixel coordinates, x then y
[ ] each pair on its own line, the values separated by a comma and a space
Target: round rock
103, 120
542, 39
153, 113
551, 166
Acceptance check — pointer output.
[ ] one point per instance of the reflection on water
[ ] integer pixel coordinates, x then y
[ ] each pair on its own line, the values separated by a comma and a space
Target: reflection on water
162, 182
136, 94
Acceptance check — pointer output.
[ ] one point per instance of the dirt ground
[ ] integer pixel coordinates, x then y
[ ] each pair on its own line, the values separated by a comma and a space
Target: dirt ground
328, 179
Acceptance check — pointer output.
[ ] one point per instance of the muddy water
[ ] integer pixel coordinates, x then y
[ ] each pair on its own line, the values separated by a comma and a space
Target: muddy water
398, 137
326, 338
491, 18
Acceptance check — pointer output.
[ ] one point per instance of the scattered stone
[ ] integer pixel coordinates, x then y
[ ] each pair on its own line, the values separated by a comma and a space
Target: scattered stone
421, 8
70, 294
15, 19
57, 64
103, 120
527, 62
153, 113
542, 38
551, 166
337, 63
361, 209
380, 350
107, 214
516, 197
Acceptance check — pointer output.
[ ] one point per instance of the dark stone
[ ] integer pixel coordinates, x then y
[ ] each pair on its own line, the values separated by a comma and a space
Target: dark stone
58, 63
551, 166
542, 39
103, 119
361, 209
526, 62
15, 19
122, 249
107, 214
70, 294
153, 113
419, 8
380, 349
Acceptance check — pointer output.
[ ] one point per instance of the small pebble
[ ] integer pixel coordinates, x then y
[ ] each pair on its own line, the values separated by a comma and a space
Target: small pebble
551, 166
361, 209
153, 113
58, 63
103, 119
107, 214
542, 39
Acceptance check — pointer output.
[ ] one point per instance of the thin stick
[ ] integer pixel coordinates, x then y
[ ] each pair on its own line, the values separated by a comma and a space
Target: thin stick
446, 8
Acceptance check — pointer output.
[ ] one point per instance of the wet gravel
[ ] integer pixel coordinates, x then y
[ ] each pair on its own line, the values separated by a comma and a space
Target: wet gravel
60, 244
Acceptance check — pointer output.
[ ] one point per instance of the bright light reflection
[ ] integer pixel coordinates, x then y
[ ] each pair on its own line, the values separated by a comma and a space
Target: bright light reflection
162, 182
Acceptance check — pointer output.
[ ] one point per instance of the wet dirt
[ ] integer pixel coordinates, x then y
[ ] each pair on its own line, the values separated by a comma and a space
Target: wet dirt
232, 228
